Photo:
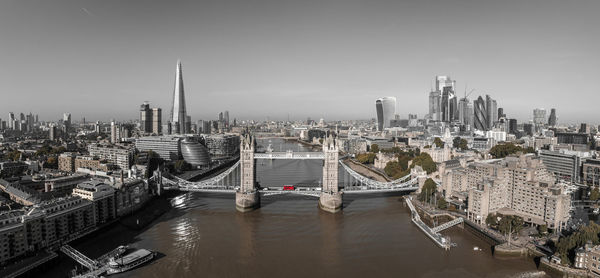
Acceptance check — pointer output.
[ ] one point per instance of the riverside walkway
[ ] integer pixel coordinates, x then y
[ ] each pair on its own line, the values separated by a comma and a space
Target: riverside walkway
432, 233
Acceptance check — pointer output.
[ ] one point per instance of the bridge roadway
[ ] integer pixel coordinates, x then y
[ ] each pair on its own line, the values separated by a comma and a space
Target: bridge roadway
289, 155
219, 184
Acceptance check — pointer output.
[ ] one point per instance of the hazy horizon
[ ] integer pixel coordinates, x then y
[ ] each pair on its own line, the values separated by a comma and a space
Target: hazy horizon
318, 59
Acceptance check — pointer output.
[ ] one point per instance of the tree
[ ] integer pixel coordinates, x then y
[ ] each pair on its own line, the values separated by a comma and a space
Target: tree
374, 148
51, 162
438, 142
510, 224
456, 142
428, 190
491, 220
506, 149
542, 229
441, 203
595, 194
426, 162
565, 248
366, 158
463, 145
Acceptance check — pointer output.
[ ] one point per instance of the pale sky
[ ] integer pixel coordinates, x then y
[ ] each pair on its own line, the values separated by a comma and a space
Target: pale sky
330, 59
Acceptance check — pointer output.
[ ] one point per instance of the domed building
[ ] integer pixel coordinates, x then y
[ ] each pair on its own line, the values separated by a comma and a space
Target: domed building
194, 152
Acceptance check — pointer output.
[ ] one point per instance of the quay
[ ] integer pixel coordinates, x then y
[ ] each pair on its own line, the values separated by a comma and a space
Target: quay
432, 233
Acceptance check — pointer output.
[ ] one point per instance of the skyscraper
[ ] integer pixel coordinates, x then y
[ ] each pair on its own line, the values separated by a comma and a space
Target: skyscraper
178, 113
512, 126
226, 118
156, 120
480, 114
66, 122
492, 111
115, 132
145, 118
539, 116
11, 120
434, 105
465, 112
386, 109
552, 118
444, 85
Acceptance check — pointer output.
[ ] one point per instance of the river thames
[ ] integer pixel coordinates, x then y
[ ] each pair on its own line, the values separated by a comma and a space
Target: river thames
204, 236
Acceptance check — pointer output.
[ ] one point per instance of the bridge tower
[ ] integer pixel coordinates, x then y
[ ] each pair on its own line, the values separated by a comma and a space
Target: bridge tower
331, 198
247, 197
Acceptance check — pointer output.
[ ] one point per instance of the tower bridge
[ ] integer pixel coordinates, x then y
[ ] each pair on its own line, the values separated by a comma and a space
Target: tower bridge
240, 179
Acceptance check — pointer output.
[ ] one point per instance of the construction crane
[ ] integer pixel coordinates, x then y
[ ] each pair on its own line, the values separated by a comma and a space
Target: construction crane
466, 95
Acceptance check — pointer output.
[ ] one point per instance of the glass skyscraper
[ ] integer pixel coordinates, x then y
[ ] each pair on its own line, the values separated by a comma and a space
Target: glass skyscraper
178, 117
386, 109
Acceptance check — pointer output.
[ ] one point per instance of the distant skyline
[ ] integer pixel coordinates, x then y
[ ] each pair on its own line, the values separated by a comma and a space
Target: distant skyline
274, 58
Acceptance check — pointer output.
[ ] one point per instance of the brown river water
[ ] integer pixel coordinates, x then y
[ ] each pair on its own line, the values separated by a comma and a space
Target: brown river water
204, 236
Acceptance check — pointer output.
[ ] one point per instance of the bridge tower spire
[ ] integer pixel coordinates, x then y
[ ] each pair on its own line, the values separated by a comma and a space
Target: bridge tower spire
247, 197
331, 198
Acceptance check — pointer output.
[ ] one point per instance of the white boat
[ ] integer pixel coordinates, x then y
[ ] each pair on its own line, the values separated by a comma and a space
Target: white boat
129, 261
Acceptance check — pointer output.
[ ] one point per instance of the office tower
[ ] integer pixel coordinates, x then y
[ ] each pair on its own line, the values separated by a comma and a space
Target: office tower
11, 120
156, 120
52, 133
115, 135
97, 127
188, 123
492, 111
37, 120
67, 121
178, 113
501, 113
434, 105
552, 118
145, 118
226, 118
442, 81
386, 109
539, 116
443, 103
220, 116
528, 129
463, 113
584, 128
480, 114
512, 126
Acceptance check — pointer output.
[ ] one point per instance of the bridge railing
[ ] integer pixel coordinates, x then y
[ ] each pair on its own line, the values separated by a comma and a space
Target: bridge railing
402, 182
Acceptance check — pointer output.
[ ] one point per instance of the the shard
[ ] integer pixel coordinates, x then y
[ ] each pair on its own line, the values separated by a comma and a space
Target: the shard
178, 113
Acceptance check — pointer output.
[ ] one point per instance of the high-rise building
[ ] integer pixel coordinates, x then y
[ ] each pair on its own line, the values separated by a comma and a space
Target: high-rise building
552, 118
442, 82
386, 109
584, 128
434, 105
145, 118
67, 121
156, 120
512, 126
480, 114
465, 112
11, 120
501, 113
52, 133
115, 132
178, 113
492, 111
539, 116
226, 118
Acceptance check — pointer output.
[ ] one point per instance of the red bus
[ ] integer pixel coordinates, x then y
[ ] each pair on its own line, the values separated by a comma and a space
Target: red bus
289, 187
